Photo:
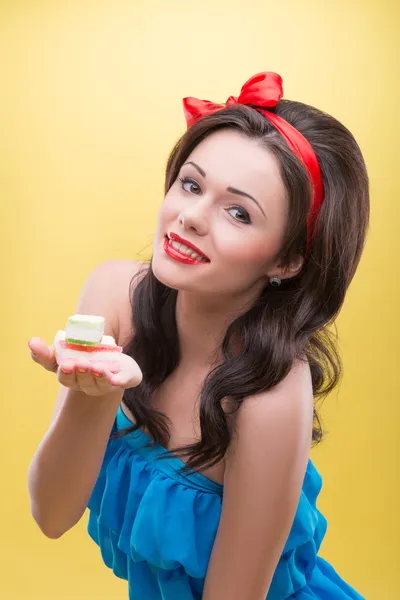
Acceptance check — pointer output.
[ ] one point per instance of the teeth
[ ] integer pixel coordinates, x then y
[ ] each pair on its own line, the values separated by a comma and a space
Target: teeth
185, 250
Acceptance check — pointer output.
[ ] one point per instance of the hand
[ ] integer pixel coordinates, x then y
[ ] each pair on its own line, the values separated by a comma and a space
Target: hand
94, 379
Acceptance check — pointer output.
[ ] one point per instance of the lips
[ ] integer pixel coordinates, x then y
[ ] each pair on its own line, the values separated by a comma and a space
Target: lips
177, 238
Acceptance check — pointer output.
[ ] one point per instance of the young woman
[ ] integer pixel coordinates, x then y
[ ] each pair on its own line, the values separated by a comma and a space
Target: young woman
194, 458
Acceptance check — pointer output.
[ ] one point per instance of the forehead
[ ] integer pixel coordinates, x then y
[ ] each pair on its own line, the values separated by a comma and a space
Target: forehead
234, 152
232, 159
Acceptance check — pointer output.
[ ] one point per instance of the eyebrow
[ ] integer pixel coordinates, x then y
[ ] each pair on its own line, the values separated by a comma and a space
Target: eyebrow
228, 189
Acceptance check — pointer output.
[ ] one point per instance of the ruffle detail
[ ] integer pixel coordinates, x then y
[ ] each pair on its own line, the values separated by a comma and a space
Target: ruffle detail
325, 583
149, 516
156, 527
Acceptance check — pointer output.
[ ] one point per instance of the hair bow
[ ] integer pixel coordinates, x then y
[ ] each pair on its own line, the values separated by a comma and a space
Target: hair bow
262, 90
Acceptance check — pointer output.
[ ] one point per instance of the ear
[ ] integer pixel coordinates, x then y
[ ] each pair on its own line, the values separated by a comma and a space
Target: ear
292, 270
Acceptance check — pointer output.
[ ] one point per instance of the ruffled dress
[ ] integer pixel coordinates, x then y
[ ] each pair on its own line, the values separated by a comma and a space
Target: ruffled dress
156, 526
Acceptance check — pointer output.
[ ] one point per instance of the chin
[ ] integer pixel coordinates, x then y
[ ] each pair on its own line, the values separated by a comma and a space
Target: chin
162, 272
173, 276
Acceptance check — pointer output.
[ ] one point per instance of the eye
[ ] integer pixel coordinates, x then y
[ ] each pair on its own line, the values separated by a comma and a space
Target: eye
245, 215
189, 185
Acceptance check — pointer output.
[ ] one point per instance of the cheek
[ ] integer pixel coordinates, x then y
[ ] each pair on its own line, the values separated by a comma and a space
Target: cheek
247, 251
165, 216
168, 209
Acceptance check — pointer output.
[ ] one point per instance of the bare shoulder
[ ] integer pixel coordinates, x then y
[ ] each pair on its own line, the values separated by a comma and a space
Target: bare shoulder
115, 271
281, 417
107, 291
294, 392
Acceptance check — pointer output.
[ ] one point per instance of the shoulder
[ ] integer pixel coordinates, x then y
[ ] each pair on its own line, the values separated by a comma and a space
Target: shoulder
107, 292
277, 423
115, 271
293, 395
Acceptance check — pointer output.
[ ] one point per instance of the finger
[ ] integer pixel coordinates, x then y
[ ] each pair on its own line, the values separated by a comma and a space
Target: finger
84, 377
92, 381
104, 374
100, 377
48, 364
67, 366
42, 354
37, 345
66, 374
100, 371
127, 378
130, 374
103, 370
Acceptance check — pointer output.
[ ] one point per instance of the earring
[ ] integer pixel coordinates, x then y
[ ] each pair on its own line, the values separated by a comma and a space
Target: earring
275, 281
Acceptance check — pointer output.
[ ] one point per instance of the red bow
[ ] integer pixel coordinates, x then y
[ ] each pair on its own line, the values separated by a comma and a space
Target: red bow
264, 89
261, 91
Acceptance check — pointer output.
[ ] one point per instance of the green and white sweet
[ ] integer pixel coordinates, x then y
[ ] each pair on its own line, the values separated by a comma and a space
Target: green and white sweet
84, 329
84, 338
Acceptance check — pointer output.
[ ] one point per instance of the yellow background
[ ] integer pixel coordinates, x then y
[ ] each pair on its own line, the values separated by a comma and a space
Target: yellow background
90, 107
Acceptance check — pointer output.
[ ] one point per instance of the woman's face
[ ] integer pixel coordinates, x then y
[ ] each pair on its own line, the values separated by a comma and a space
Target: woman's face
229, 201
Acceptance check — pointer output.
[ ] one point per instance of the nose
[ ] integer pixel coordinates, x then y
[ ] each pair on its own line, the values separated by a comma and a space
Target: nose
194, 219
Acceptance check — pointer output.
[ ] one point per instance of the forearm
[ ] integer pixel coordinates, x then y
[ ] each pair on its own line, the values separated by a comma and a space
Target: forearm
67, 462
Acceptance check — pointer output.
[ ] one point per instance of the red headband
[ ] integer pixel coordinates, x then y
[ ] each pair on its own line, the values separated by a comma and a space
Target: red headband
262, 90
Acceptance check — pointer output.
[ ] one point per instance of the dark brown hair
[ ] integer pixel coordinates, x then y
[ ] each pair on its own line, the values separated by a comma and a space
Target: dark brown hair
286, 323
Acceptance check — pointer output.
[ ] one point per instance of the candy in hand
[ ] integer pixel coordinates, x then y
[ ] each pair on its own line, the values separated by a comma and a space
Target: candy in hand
84, 338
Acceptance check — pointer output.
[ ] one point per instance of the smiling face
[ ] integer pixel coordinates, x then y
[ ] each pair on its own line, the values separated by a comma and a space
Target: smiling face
230, 202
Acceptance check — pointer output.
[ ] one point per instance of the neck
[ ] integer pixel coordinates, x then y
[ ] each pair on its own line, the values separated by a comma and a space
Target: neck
202, 324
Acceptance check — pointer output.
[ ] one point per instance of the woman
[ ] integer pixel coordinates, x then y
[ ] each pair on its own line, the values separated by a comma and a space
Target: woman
194, 458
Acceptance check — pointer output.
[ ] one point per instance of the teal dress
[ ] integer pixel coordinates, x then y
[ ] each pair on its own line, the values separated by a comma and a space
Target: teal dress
156, 527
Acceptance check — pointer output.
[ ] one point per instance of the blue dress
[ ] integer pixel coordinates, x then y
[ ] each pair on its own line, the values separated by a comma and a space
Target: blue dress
156, 527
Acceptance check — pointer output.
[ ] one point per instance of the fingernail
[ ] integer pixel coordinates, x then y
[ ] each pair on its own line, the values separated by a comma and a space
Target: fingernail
97, 374
82, 370
66, 372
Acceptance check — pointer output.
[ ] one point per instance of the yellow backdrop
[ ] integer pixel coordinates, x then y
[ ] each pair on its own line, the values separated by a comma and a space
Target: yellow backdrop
91, 105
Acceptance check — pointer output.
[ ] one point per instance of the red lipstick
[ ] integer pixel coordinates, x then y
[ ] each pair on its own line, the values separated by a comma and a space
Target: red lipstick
177, 238
180, 256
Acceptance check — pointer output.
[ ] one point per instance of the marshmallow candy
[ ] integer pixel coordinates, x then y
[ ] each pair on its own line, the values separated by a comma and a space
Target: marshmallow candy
84, 338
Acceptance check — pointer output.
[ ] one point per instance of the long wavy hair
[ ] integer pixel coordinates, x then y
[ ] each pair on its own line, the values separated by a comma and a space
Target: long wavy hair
286, 323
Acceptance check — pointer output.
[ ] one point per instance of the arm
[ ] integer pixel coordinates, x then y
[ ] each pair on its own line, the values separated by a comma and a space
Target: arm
265, 469
66, 464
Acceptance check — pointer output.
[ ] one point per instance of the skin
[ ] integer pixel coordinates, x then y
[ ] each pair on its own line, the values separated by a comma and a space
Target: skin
267, 459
